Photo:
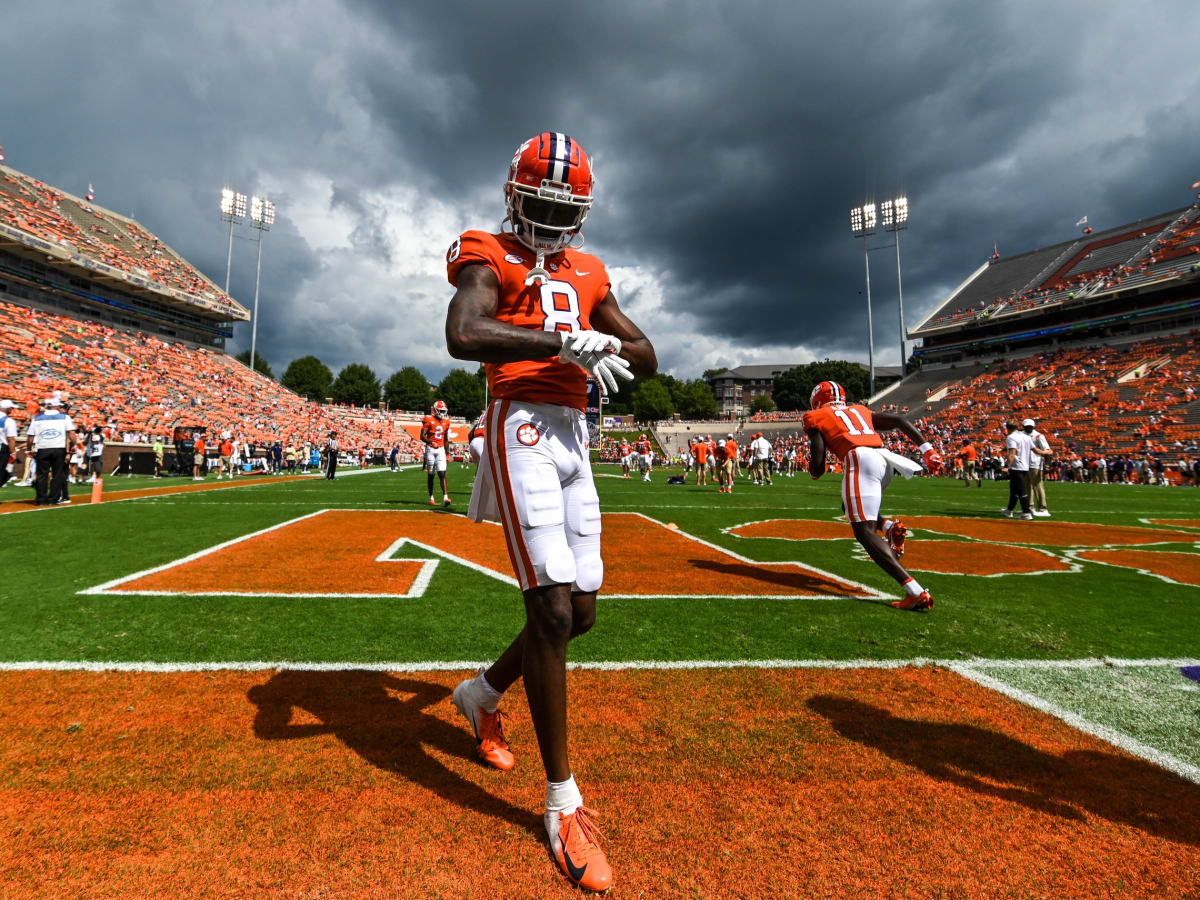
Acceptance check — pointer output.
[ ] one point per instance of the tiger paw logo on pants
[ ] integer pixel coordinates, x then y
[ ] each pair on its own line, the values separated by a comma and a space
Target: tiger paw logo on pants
528, 435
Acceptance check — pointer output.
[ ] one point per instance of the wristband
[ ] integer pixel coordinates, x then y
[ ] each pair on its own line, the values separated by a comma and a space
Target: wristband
924, 447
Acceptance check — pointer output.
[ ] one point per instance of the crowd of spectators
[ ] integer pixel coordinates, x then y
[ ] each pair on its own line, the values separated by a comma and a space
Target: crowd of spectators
136, 388
1175, 251
77, 226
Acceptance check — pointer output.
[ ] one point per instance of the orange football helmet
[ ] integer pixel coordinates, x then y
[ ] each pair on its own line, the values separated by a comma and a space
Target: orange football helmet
439, 409
548, 192
827, 392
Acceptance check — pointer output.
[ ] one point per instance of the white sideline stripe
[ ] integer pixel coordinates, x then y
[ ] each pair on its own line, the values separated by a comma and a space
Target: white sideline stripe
1122, 741
605, 665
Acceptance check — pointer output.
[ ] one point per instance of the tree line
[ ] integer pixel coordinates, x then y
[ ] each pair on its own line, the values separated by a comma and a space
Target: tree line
358, 385
649, 399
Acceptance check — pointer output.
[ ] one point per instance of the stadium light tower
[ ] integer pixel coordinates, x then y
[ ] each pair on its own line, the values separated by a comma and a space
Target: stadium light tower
895, 220
262, 217
233, 211
862, 225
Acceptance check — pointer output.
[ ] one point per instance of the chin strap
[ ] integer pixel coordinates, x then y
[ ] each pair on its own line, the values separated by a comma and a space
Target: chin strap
538, 274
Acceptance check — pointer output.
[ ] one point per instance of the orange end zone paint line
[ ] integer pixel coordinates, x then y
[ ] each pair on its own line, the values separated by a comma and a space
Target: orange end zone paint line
1176, 523
1048, 534
350, 555
1177, 568
14, 506
715, 783
975, 558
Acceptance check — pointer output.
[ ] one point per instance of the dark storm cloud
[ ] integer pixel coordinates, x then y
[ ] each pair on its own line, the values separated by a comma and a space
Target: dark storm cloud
729, 140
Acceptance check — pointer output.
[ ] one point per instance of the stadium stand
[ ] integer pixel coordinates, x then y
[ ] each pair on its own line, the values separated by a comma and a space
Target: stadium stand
137, 386
61, 252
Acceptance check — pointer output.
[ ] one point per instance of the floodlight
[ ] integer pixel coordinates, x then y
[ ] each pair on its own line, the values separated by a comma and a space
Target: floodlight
233, 205
868, 216
856, 220
901, 210
262, 213
885, 211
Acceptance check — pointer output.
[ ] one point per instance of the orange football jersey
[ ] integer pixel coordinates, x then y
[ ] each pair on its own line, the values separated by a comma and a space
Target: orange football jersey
701, 451
578, 283
844, 427
435, 428
731, 449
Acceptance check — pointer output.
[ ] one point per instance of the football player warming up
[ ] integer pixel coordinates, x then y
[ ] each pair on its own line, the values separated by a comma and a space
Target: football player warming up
435, 430
851, 431
542, 318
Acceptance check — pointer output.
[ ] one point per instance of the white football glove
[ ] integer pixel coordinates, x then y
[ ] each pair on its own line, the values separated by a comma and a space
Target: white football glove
601, 363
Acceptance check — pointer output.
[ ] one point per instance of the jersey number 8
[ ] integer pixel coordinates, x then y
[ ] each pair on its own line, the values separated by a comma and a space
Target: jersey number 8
560, 305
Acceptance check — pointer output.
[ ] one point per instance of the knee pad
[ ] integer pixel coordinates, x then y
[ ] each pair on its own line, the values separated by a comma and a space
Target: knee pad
552, 558
589, 565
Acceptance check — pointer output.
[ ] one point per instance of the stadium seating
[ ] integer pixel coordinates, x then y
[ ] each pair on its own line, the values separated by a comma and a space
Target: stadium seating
138, 386
1160, 248
97, 234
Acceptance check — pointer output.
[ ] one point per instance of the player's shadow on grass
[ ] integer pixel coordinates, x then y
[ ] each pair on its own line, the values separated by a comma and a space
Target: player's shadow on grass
1121, 789
362, 710
801, 582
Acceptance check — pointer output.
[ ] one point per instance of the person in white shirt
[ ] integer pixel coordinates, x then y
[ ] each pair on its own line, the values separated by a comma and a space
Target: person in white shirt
760, 447
1037, 484
53, 432
8, 441
1018, 448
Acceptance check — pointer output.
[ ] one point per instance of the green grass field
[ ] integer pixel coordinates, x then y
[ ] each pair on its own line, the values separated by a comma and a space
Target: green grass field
1097, 611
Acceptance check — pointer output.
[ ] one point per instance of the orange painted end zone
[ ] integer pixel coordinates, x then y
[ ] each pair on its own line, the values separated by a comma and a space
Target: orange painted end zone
1046, 533
1176, 523
1180, 568
344, 546
785, 783
796, 530
975, 558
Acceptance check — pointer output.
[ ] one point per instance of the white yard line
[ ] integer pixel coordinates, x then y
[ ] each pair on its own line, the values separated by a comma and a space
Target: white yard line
1118, 739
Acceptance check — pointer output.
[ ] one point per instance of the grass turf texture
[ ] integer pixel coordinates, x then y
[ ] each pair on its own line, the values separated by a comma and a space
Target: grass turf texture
1101, 610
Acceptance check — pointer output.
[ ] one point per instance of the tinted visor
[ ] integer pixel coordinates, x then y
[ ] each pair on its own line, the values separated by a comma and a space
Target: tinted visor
550, 213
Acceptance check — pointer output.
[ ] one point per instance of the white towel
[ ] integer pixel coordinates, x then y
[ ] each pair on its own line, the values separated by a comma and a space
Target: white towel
484, 506
902, 465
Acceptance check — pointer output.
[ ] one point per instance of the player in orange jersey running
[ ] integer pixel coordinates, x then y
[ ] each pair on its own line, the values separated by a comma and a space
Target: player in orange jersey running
435, 431
851, 431
541, 316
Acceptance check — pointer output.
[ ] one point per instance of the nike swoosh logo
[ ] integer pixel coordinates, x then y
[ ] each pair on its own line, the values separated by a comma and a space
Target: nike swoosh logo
573, 870
577, 272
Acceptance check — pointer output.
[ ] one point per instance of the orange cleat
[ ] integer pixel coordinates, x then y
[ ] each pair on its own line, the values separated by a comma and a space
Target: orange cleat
915, 602
431, 502
490, 742
896, 536
576, 849
445, 501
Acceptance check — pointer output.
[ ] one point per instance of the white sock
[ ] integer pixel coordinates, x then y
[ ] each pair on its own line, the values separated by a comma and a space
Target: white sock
912, 587
887, 526
491, 696
563, 796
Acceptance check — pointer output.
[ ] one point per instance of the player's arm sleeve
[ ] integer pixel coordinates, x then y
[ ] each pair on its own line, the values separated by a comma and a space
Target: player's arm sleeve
816, 456
471, 248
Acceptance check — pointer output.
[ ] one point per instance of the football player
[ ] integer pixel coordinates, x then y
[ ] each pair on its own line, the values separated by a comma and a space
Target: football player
851, 431
645, 457
435, 430
541, 316
626, 457
701, 450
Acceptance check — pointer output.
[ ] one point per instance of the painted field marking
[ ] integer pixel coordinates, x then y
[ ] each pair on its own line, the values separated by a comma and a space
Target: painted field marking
346, 545
1118, 739
968, 669
1155, 562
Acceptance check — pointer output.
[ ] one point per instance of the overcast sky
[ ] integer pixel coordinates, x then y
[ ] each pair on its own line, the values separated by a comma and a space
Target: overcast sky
729, 142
